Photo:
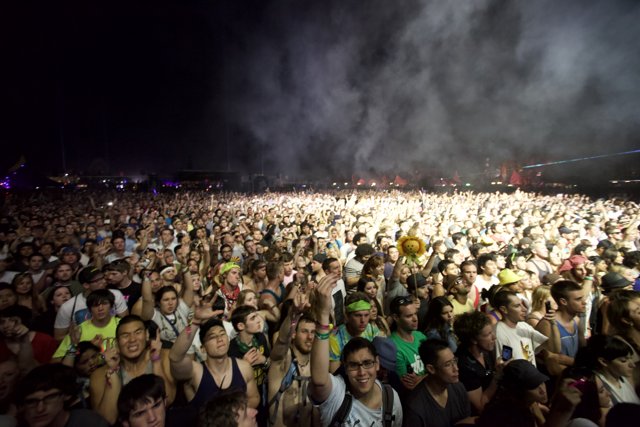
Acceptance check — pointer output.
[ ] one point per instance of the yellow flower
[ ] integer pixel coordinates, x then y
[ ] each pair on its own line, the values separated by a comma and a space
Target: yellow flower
411, 246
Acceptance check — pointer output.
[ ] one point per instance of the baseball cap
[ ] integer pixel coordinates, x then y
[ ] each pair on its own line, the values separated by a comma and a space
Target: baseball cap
522, 375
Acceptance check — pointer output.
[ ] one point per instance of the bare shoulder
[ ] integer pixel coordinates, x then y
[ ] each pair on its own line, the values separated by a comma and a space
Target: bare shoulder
245, 368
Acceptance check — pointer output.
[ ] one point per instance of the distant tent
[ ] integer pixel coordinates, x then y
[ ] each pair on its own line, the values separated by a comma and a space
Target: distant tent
516, 179
400, 182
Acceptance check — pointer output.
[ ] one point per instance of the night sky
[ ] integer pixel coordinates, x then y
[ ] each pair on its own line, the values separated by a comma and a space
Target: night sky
317, 88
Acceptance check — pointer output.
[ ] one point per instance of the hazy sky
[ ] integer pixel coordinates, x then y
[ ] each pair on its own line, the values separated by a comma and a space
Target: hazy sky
321, 88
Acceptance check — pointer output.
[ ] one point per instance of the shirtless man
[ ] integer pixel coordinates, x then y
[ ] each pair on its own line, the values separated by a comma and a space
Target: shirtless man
290, 368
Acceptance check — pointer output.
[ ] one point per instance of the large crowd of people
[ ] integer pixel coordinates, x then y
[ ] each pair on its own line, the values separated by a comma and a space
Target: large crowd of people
372, 308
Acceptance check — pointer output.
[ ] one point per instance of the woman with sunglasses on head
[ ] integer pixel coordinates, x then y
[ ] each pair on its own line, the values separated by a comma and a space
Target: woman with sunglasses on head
439, 322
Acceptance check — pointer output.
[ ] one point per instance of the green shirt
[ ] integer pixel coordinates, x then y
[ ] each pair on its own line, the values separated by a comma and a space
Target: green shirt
88, 332
408, 353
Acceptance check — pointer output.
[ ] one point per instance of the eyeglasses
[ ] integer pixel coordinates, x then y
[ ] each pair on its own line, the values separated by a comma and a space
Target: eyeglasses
355, 366
33, 402
450, 364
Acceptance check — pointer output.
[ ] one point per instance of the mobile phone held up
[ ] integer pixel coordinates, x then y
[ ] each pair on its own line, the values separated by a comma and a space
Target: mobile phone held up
547, 306
507, 353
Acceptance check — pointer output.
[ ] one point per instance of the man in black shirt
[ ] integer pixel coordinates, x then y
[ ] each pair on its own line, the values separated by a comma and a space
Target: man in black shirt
441, 400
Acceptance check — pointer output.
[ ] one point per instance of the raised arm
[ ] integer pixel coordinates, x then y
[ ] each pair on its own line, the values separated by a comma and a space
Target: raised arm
105, 385
187, 289
180, 363
320, 386
148, 304
287, 329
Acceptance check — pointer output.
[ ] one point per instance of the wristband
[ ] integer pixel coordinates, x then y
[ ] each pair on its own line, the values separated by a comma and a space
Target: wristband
588, 278
321, 327
155, 357
72, 349
110, 372
322, 336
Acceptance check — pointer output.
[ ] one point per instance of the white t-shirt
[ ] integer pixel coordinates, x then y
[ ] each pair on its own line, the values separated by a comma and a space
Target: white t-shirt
523, 339
177, 320
7, 276
82, 313
360, 414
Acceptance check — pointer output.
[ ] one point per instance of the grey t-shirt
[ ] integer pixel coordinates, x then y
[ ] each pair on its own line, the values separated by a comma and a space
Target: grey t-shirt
421, 409
360, 414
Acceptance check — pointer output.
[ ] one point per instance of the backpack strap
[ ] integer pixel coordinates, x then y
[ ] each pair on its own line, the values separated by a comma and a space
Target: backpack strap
387, 406
343, 411
287, 380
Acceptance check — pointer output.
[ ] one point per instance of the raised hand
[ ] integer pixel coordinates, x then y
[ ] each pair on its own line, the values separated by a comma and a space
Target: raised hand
74, 333
323, 293
155, 345
300, 303
112, 354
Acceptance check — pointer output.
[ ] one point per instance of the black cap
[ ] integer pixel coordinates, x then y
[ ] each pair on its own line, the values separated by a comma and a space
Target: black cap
364, 249
522, 375
88, 274
612, 281
416, 281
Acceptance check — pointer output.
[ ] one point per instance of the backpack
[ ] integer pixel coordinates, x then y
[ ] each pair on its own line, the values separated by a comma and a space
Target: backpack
293, 374
387, 408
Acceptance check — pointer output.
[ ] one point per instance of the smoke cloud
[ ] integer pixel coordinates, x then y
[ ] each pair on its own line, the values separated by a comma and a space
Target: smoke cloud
337, 87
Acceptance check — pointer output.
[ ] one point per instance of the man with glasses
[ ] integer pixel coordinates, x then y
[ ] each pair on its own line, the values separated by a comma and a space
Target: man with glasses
441, 400
75, 310
407, 338
44, 397
361, 364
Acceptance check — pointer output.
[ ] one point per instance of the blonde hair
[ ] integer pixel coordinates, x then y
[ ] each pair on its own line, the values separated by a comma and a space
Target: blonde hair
539, 296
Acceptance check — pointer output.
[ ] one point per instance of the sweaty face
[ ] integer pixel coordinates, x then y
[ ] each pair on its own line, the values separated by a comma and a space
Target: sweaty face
304, 336
132, 339
361, 367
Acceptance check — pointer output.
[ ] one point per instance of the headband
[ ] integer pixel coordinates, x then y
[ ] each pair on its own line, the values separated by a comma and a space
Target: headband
360, 305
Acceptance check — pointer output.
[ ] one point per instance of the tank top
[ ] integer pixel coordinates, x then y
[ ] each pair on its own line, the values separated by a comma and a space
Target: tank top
568, 341
126, 379
208, 388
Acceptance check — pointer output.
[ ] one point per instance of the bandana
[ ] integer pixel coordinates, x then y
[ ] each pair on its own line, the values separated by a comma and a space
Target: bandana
359, 305
572, 262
